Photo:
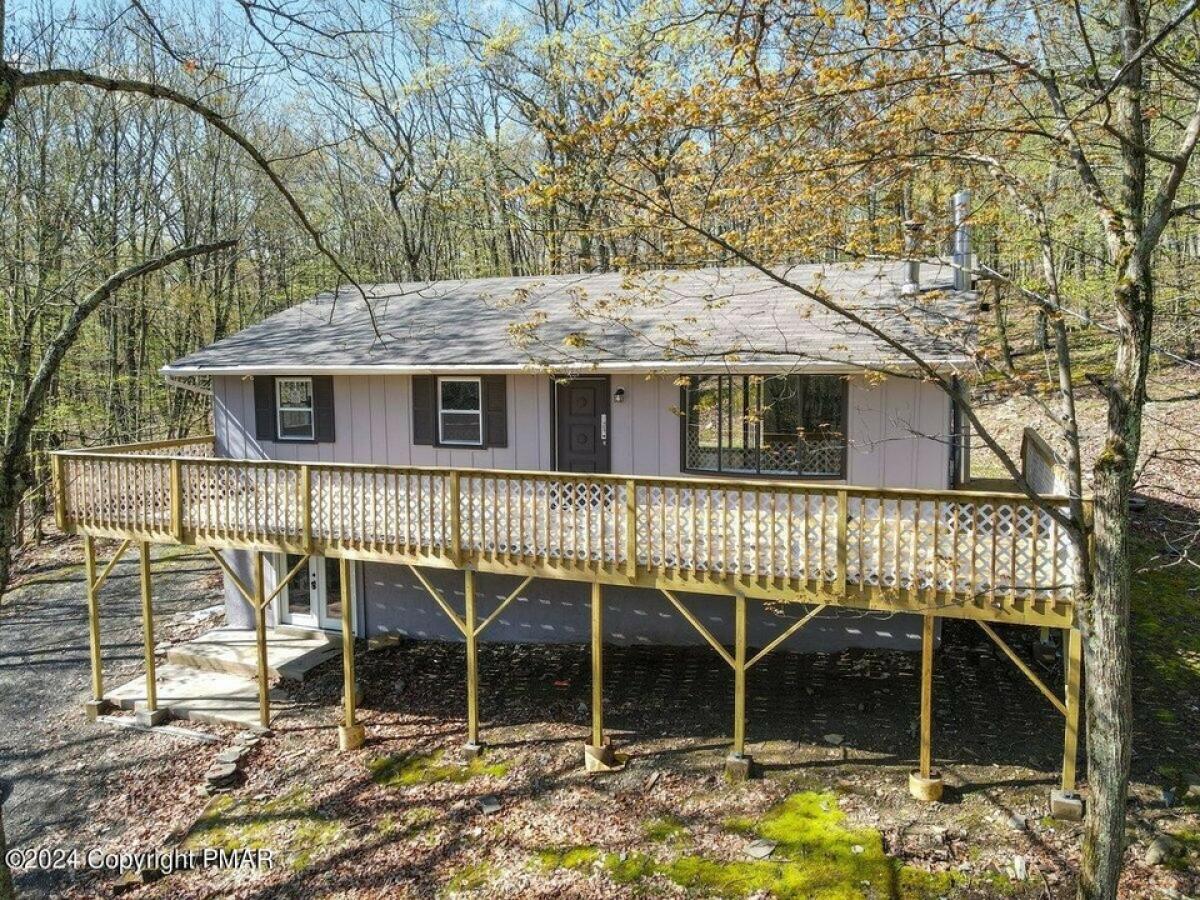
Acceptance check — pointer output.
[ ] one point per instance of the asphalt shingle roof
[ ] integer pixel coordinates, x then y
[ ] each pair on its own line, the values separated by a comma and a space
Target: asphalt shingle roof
693, 320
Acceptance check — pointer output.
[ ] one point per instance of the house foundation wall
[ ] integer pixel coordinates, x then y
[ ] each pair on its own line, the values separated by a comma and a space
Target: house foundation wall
392, 602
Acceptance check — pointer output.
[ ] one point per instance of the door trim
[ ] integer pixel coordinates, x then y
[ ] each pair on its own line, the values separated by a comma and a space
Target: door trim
278, 567
555, 384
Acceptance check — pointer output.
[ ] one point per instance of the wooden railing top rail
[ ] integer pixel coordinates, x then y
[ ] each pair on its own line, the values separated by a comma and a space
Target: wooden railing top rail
827, 488
141, 448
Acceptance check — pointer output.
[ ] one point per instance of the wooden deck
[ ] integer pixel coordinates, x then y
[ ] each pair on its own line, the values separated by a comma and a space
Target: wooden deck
985, 555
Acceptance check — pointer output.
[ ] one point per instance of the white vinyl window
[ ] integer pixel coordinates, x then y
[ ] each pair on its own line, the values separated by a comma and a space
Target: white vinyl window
460, 416
294, 409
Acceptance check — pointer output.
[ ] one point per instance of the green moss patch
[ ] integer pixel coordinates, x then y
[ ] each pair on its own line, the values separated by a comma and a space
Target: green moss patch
567, 857
291, 824
429, 768
471, 878
816, 855
667, 829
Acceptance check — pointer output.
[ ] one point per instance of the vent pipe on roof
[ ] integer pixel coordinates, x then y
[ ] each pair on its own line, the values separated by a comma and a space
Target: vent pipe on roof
912, 258
964, 259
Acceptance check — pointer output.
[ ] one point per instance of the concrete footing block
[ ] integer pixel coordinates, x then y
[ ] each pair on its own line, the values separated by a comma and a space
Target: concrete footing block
149, 718
1066, 805
471, 751
94, 709
351, 737
927, 790
603, 758
739, 768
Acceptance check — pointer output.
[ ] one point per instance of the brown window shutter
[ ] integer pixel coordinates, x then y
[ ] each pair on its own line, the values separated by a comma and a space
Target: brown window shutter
323, 408
495, 410
264, 407
424, 406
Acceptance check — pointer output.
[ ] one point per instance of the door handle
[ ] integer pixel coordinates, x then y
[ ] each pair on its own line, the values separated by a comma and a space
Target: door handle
604, 428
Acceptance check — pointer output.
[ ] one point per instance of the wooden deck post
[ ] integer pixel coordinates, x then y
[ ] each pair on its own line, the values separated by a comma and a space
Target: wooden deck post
843, 546
455, 518
1065, 803
260, 635
1073, 664
177, 499
597, 666
96, 705
350, 733
738, 757
60, 491
472, 747
151, 715
926, 761
304, 501
926, 783
631, 528
598, 756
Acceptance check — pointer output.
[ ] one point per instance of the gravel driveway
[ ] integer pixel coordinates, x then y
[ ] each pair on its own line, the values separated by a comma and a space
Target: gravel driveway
60, 767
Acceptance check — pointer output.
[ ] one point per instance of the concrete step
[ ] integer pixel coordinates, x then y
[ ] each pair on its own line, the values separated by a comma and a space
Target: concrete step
291, 653
199, 695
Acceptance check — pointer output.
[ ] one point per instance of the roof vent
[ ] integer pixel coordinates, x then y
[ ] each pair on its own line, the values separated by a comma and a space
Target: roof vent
912, 272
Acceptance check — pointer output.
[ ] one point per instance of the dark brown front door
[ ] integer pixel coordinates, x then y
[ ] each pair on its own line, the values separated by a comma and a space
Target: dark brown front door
583, 425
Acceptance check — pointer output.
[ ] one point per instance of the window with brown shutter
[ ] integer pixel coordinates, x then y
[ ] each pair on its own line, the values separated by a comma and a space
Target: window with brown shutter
495, 409
296, 408
424, 423
460, 410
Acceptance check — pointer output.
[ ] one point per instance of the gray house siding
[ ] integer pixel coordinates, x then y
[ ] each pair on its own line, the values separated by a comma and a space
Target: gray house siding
898, 436
898, 428
558, 612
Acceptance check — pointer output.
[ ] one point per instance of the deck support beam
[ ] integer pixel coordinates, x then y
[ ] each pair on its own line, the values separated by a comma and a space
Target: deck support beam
1065, 803
260, 637
739, 764
151, 715
350, 734
471, 636
95, 706
926, 782
1073, 665
598, 756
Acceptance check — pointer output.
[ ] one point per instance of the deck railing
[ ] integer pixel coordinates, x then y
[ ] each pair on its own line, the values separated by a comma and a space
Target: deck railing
823, 539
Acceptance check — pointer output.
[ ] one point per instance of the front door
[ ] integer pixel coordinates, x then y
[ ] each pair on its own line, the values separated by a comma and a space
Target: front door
313, 596
583, 425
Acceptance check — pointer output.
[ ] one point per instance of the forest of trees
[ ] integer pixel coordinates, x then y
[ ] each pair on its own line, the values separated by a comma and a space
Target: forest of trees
281, 148
423, 141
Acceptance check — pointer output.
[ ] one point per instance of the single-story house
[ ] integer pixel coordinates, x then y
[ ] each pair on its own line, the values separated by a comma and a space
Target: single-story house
719, 372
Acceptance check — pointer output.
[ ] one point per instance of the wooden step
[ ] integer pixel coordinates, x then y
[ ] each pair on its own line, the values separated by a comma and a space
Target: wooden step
291, 653
200, 695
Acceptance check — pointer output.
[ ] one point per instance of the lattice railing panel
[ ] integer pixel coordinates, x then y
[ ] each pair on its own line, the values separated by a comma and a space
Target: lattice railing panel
976, 547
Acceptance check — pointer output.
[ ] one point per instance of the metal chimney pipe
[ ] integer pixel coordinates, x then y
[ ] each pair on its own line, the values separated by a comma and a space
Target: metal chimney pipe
912, 257
964, 259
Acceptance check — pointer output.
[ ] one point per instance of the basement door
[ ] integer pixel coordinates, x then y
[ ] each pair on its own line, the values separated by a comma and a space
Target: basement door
313, 596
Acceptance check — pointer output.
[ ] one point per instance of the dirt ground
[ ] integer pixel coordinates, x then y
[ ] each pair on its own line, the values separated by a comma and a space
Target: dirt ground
67, 776
834, 735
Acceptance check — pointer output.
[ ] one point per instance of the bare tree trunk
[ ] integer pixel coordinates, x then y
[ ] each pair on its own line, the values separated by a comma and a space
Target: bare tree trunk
1001, 319
1105, 618
1109, 705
